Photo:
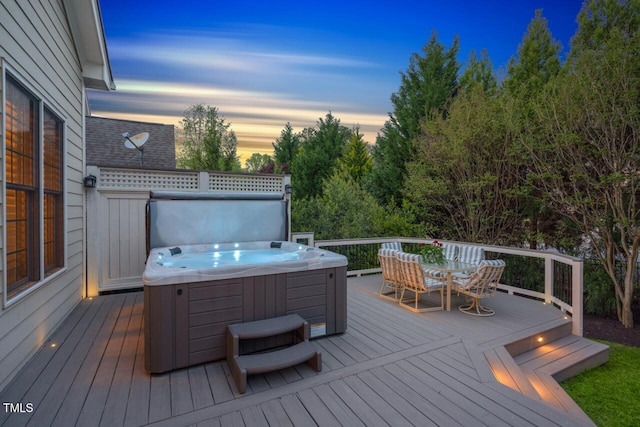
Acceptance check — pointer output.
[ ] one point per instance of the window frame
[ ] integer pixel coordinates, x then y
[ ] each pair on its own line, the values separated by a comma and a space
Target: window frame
44, 276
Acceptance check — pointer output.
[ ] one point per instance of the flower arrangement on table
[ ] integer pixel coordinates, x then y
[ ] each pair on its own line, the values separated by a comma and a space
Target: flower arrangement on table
432, 253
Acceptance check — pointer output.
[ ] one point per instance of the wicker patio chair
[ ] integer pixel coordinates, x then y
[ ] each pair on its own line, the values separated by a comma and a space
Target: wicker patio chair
392, 245
470, 254
450, 251
481, 284
416, 281
391, 278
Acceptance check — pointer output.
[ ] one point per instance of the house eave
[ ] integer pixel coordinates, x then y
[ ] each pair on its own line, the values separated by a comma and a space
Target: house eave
86, 25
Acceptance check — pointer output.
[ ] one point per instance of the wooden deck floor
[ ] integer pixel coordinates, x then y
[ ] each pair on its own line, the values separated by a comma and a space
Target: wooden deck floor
391, 367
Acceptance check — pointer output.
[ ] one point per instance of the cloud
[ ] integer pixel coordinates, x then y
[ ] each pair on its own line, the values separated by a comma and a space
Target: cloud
214, 53
257, 83
256, 117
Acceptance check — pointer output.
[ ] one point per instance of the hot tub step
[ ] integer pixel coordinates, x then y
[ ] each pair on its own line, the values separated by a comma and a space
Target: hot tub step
243, 364
274, 360
268, 327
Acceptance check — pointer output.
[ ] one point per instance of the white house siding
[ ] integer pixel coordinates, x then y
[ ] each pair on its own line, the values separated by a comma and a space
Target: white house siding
36, 42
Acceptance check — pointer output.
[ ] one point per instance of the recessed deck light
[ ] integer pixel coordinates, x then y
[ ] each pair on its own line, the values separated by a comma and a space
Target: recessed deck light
540, 339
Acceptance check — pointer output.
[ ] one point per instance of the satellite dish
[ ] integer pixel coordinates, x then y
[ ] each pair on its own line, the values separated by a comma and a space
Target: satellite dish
136, 142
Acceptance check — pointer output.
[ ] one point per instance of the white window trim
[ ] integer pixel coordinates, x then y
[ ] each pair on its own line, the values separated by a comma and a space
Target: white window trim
4, 69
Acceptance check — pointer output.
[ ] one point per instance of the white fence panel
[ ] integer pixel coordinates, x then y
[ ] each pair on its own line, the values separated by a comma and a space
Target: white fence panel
124, 239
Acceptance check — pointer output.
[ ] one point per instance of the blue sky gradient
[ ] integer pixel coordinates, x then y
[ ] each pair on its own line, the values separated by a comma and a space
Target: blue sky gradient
267, 63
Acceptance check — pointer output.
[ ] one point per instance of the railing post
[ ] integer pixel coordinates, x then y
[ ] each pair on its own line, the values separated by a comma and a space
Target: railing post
286, 190
203, 181
577, 299
548, 279
309, 236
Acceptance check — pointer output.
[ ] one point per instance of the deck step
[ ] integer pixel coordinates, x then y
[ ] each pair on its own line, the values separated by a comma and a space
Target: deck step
531, 342
536, 373
508, 372
302, 350
565, 358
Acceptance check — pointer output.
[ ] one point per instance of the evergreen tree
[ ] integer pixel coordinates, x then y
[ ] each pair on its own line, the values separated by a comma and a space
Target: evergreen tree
535, 65
285, 149
537, 61
389, 157
425, 89
319, 152
356, 161
479, 71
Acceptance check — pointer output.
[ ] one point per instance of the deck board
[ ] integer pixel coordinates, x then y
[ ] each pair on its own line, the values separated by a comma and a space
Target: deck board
391, 367
275, 413
89, 323
75, 398
424, 396
317, 409
357, 404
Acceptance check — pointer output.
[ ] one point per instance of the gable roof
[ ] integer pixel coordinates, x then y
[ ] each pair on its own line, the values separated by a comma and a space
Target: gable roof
105, 144
87, 29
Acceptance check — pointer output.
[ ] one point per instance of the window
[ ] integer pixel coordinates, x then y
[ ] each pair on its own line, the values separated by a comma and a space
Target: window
34, 205
52, 183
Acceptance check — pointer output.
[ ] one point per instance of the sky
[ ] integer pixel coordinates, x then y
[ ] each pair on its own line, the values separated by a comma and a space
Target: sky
266, 63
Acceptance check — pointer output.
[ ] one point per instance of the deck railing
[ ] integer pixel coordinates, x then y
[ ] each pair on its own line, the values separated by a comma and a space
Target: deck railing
549, 277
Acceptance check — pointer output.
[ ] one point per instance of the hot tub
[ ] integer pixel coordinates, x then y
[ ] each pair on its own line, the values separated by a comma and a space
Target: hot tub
192, 292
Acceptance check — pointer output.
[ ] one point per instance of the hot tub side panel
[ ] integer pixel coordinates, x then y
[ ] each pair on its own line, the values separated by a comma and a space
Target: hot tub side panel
185, 324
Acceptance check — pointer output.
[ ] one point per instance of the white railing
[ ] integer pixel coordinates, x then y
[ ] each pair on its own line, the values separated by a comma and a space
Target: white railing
569, 302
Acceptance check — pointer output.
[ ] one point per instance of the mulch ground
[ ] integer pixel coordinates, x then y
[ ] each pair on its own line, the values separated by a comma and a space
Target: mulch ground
609, 328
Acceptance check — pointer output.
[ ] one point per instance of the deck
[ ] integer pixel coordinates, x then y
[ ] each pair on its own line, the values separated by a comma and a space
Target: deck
391, 367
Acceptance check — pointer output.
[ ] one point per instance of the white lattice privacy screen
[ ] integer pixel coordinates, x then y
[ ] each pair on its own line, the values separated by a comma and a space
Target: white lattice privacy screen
112, 178
143, 179
245, 183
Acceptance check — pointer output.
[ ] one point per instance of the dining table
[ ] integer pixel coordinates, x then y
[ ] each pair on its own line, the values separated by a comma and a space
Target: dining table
449, 268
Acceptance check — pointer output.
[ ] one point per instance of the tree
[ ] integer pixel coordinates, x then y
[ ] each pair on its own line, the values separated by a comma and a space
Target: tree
208, 143
425, 89
356, 161
536, 63
257, 162
587, 156
389, 156
229, 160
318, 155
479, 71
346, 210
465, 176
343, 210
285, 149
